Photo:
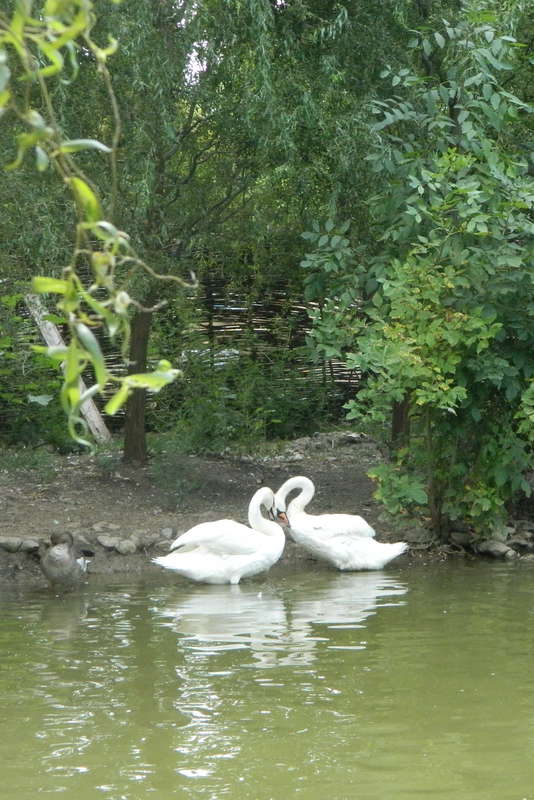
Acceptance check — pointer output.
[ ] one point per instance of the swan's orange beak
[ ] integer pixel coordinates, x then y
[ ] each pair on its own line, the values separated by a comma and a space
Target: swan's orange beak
282, 517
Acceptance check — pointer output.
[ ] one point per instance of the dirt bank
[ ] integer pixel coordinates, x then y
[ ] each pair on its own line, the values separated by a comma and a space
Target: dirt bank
128, 514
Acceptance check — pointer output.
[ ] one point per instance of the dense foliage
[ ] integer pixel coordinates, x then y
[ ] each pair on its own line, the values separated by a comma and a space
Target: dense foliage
34, 49
398, 138
447, 331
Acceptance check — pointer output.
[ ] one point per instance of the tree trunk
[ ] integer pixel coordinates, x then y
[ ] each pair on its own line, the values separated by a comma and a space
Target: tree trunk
400, 423
135, 448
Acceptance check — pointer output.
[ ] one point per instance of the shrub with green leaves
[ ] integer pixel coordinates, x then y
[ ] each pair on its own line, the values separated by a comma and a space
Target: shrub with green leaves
449, 326
30, 412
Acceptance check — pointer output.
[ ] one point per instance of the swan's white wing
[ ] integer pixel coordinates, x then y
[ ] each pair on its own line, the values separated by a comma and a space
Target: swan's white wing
339, 524
358, 552
223, 537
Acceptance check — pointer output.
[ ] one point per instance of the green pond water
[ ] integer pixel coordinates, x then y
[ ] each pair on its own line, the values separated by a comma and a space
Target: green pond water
407, 683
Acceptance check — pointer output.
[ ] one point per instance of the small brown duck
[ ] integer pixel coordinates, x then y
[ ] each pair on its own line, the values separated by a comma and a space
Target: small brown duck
63, 564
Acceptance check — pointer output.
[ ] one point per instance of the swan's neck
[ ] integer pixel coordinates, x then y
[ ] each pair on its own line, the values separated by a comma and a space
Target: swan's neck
307, 490
258, 522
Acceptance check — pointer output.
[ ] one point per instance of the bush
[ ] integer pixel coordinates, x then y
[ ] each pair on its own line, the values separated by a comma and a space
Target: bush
30, 411
241, 400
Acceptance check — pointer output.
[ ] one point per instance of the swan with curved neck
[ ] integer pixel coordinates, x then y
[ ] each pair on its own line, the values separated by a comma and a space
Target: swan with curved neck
226, 551
351, 524
344, 540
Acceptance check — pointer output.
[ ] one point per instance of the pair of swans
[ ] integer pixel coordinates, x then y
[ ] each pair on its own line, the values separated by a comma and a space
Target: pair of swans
226, 551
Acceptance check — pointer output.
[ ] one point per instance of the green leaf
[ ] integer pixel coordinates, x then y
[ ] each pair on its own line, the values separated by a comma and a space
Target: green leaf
89, 341
5, 97
55, 318
377, 300
70, 390
80, 22
24, 141
474, 79
102, 53
87, 200
418, 495
495, 62
118, 400
41, 159
18, 21
153, 381
55, 58
40, 399
5, 74
439, 39
56, 353
42, 285
74, 145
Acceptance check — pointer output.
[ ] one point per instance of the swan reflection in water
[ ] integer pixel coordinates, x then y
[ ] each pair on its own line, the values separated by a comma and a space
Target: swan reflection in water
280, 627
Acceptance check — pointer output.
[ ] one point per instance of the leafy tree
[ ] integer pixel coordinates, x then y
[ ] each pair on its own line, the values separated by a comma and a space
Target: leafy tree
229, 127
218, 164
447, 330
34, 48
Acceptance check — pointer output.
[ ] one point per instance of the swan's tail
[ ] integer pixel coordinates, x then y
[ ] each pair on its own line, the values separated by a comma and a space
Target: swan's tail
394, 549
381, 554
179, 563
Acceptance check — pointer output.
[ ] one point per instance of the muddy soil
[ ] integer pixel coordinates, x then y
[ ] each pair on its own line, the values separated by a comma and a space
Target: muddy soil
104, 506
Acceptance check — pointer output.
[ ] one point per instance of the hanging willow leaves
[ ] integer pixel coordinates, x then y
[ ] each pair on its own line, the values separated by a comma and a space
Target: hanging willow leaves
35, 45
151, 381
88, 202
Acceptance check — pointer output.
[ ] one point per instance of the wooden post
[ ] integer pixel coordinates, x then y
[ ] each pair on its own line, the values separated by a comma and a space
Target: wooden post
53, 338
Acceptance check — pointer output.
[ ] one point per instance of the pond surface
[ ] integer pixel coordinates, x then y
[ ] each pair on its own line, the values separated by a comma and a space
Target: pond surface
315, 684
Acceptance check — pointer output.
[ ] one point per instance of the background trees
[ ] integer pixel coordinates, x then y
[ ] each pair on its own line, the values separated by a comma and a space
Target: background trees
398, 141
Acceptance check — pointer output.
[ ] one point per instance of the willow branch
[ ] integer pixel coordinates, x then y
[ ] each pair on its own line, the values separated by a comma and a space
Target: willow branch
172, 278
115, 139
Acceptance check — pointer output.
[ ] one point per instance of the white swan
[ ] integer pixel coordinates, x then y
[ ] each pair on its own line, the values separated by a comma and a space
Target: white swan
344, 540
226, 551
